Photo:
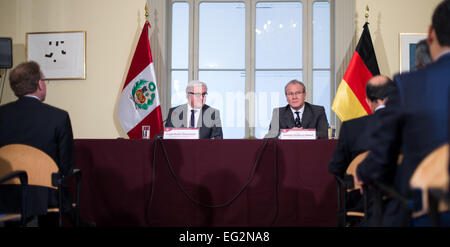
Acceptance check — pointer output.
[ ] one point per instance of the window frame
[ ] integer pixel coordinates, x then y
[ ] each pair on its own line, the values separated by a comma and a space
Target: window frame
250, 50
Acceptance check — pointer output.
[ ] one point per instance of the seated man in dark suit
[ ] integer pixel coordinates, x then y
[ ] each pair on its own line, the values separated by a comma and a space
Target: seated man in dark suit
355, 134
423, 56
415, 122
30, 121
196, 114
298, 113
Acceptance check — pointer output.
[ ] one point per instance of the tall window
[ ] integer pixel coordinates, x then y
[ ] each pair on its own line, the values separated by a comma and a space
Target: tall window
246, 51
222, 62
180, 52
278, 56
321, 55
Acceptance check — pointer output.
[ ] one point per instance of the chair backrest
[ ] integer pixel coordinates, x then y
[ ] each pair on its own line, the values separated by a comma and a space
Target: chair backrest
38, 165
432, 172
351, 169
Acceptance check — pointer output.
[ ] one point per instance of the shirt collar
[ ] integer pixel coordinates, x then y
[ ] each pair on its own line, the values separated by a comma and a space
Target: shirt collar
190, 108
442, 54
32, 96
379, 107
300, 110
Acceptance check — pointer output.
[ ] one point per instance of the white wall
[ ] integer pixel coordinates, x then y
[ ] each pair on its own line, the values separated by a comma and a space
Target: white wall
113, 28
388, 18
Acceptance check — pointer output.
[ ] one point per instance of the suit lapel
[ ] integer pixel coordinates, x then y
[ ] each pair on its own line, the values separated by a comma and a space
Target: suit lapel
183, 115
200, 116
307, 116
287, 117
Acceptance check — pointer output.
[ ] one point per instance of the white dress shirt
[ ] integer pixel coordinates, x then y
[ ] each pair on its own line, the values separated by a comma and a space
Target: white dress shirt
300, 112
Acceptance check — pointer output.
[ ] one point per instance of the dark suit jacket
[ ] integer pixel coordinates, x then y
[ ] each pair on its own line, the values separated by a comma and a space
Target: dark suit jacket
29, 121
353, 139
209, 122
314, 117
416, 121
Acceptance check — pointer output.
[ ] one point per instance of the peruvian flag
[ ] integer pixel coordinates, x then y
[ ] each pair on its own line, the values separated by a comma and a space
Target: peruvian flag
139, 102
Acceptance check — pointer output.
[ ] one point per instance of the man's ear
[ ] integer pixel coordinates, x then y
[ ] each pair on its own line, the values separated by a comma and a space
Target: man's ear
431, 35
368, 101
40, 86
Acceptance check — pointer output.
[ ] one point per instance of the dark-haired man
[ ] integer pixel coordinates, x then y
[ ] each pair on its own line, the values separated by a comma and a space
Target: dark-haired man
30, 121
415, 120
423, 56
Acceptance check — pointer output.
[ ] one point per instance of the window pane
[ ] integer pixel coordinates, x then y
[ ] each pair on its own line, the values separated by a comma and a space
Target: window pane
321, 35
180, 35
278, 35
269, 93
321, 90
179, 83
226, 92
222, 36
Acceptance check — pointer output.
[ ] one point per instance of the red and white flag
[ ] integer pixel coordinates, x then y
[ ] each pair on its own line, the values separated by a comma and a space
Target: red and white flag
139, 102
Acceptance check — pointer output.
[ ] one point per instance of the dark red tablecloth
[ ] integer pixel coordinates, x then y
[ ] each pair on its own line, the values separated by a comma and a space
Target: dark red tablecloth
208, 182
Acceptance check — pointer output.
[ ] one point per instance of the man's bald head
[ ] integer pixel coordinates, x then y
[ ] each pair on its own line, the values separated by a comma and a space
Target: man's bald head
378, 80
378, 89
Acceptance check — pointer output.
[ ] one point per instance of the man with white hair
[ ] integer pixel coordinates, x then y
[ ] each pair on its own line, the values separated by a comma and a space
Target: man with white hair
196, 114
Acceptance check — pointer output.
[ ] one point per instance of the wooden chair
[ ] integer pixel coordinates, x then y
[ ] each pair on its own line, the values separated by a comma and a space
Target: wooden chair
431, 177
431, 174
11, 215
42, 172
347, 185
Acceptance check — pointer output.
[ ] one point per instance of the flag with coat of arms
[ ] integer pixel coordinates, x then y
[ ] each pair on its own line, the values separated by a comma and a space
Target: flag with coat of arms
139, 101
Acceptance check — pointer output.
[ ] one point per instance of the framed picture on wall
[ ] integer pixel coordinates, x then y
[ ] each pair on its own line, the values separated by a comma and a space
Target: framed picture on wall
408, 43
61, 55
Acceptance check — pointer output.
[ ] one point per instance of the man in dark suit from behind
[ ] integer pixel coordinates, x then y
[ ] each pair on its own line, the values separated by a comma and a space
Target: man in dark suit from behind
30, 121
354, 135
196, 114
298, 113
414, 122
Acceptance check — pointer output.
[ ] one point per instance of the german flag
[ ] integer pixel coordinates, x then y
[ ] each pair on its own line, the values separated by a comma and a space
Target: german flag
350, 99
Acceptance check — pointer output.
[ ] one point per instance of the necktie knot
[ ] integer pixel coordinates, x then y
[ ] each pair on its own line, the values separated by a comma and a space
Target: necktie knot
298, 123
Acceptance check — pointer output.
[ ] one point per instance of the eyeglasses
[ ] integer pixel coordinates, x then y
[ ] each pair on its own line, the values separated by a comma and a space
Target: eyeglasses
294, 93
198, 94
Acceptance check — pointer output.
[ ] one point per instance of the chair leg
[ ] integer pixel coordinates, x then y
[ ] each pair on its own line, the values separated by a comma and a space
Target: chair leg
433, 203
365, 203
340, 205
24, 205
378, 212
60, 205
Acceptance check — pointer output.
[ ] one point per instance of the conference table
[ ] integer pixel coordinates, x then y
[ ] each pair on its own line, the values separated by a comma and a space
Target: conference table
184, 183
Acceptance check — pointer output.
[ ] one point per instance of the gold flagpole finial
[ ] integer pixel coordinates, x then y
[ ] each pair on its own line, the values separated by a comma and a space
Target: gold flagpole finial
367, 13
146, 12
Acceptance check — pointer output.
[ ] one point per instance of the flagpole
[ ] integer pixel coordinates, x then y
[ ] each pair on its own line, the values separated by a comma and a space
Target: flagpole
146, 12
367, 14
